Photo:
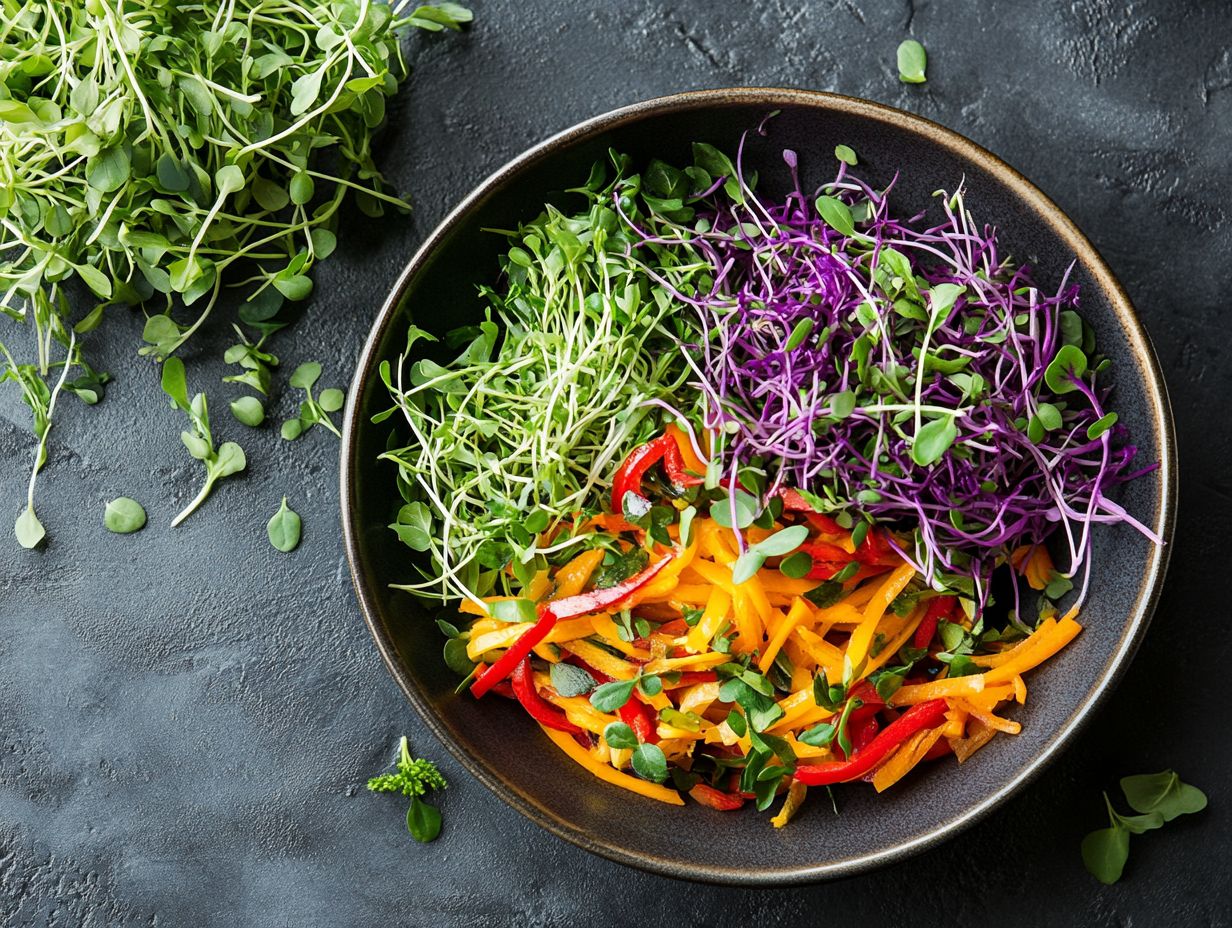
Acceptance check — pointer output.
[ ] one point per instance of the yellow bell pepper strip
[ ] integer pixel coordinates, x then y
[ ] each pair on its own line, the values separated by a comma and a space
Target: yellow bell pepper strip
583, 757
552, 612
925, 715
699, 636
910, 694
1058, 637
906, 757
795, 798
571, 579
862, 637
799, 613
988, 718
1001, 657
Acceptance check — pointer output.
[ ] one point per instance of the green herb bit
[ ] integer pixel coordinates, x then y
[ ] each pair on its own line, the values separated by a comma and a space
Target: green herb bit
284, 528
845, 154
42, 402
248, 410
1158, 798
226, 460
313, 411
123, 516
912, 62
414, 778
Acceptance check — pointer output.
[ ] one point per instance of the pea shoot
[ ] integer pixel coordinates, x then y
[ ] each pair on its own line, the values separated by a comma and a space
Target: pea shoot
284, 528
912, 62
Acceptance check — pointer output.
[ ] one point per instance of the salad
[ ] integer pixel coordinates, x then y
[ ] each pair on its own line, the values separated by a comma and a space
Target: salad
739, 495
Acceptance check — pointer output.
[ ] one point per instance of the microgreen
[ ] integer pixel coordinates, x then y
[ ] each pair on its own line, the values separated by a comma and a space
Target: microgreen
155, 152
284, 528
1158, 798
608, 697
248, 410
490, 394
313, 410
650, 763
219, 462
781, 543
904, 378
912, 62
620, 736
845, 154
1163, 793
123, 516
414, 777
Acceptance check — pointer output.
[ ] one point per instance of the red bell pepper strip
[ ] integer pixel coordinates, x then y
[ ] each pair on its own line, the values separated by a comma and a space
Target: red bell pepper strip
629, 476
568, 608
673, 463
716, 798
919, 717
828, 559
641, 718
862, 735
540, 709
941, 607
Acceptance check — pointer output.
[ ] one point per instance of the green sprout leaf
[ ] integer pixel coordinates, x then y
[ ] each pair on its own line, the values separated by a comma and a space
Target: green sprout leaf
912, 62
284, 528
123, 516
1104, 852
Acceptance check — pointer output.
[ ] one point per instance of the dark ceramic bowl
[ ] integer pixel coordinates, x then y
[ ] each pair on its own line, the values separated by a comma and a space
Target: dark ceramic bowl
501, 746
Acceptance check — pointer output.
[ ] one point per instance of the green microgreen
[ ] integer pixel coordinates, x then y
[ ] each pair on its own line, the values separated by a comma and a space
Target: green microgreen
912, 62
1158, 798
123, 516
313, 410
155, 152
284, 528
223, 461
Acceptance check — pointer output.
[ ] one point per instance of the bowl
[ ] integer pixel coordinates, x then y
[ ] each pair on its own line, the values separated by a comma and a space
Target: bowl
501, 746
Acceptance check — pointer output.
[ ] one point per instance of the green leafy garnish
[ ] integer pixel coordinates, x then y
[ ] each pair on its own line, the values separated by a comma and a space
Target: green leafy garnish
912, 62
284, 528
123, 516
313, 410
571, 680
1158, 798
154, 152
415, 777
224, 461
780, 543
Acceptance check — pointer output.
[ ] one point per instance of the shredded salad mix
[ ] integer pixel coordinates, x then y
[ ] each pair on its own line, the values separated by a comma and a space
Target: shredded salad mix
721, 486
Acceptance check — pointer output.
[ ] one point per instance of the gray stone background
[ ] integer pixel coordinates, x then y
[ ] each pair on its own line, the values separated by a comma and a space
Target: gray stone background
187, 717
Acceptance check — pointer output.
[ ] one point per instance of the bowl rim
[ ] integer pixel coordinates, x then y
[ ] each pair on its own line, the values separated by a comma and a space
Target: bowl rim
1039, 204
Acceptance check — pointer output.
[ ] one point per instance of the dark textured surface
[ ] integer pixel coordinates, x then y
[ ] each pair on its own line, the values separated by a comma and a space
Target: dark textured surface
188, 717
